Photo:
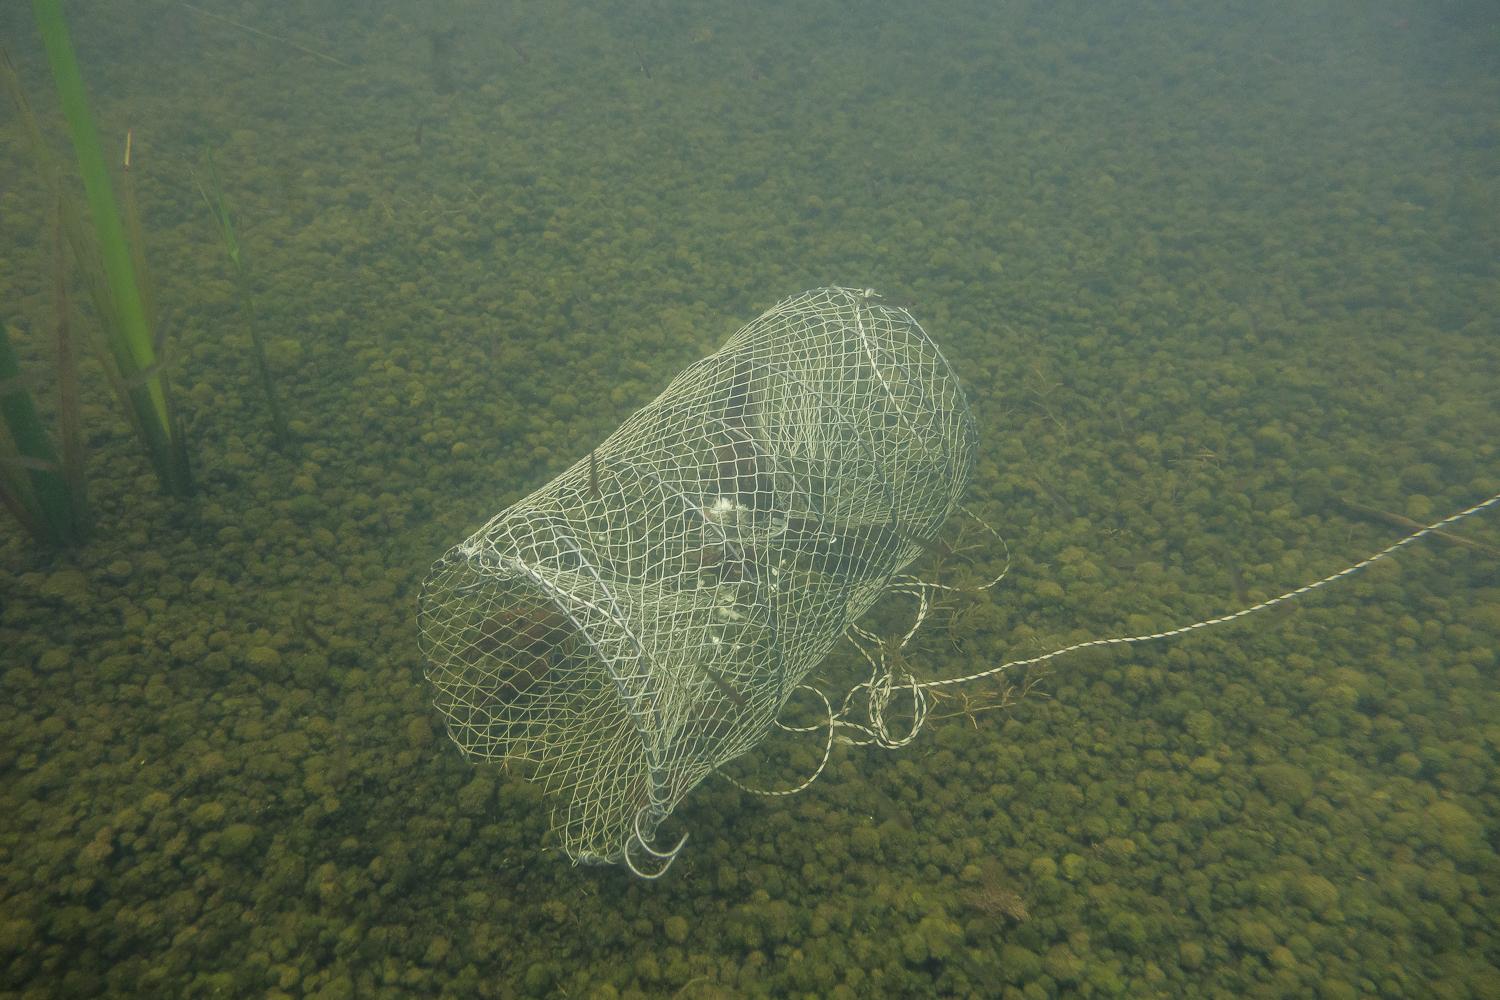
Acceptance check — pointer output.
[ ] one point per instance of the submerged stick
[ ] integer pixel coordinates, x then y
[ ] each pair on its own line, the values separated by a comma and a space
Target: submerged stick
1406, 523
725, 688
70, 409
265, 34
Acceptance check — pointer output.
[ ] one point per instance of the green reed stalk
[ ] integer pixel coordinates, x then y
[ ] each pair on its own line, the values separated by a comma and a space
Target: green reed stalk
129, 333
213, 197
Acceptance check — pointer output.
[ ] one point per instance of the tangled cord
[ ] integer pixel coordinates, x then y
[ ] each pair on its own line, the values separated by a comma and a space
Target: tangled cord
890, 677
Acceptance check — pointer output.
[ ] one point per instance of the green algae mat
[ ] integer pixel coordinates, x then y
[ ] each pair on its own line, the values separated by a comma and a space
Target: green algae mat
1223, 293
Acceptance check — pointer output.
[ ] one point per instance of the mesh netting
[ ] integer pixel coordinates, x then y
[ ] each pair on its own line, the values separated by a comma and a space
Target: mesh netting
643, 618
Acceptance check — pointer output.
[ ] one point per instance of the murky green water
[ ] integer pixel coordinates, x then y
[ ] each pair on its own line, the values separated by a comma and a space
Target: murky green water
1205, 277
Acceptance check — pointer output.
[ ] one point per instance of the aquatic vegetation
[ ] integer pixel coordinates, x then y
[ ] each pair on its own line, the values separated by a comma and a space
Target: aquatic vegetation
213, 196
109, 265
42, 490
1173, 257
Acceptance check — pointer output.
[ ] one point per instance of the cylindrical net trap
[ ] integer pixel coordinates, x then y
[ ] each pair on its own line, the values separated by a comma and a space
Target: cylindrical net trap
643, 618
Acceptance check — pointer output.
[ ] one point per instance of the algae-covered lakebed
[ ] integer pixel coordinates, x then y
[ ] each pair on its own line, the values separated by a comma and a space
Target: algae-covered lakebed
1218, 284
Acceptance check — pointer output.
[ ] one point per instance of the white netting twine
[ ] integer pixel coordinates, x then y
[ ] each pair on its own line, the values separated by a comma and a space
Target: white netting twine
643, 618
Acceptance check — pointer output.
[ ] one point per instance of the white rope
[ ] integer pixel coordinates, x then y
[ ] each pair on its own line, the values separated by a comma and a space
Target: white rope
665, 857
884, 682
1222, 619
833, 721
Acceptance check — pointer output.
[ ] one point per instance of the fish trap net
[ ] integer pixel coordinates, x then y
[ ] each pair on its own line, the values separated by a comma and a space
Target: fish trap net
643, 618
